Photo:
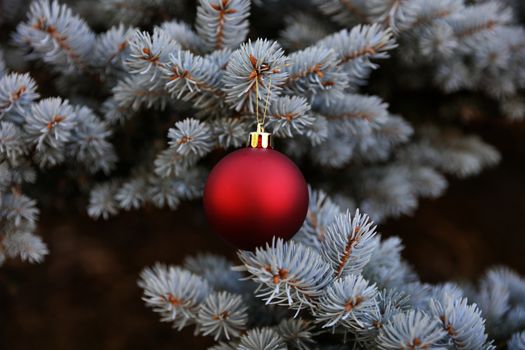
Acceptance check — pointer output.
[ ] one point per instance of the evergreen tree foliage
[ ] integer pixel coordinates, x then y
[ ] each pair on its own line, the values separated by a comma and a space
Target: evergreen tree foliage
378, 303
82, 82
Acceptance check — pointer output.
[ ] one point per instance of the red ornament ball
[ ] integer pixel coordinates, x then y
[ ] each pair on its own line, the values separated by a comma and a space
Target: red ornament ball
254, 194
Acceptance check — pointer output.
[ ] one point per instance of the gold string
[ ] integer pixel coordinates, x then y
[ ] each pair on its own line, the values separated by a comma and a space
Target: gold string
257, 99
267, 100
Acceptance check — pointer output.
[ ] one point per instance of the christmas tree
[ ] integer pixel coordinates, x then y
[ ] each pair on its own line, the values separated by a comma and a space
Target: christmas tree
134, 103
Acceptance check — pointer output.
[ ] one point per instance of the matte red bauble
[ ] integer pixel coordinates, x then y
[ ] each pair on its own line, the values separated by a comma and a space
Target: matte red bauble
254, 194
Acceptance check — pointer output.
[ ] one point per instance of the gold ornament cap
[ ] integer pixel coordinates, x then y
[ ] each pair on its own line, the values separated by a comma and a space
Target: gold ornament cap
259, 138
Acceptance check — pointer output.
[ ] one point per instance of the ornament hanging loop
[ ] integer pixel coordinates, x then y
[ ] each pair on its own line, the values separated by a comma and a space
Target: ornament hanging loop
260, 138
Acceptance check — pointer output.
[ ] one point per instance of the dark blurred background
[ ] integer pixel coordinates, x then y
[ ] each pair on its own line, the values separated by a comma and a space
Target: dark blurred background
84, 296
